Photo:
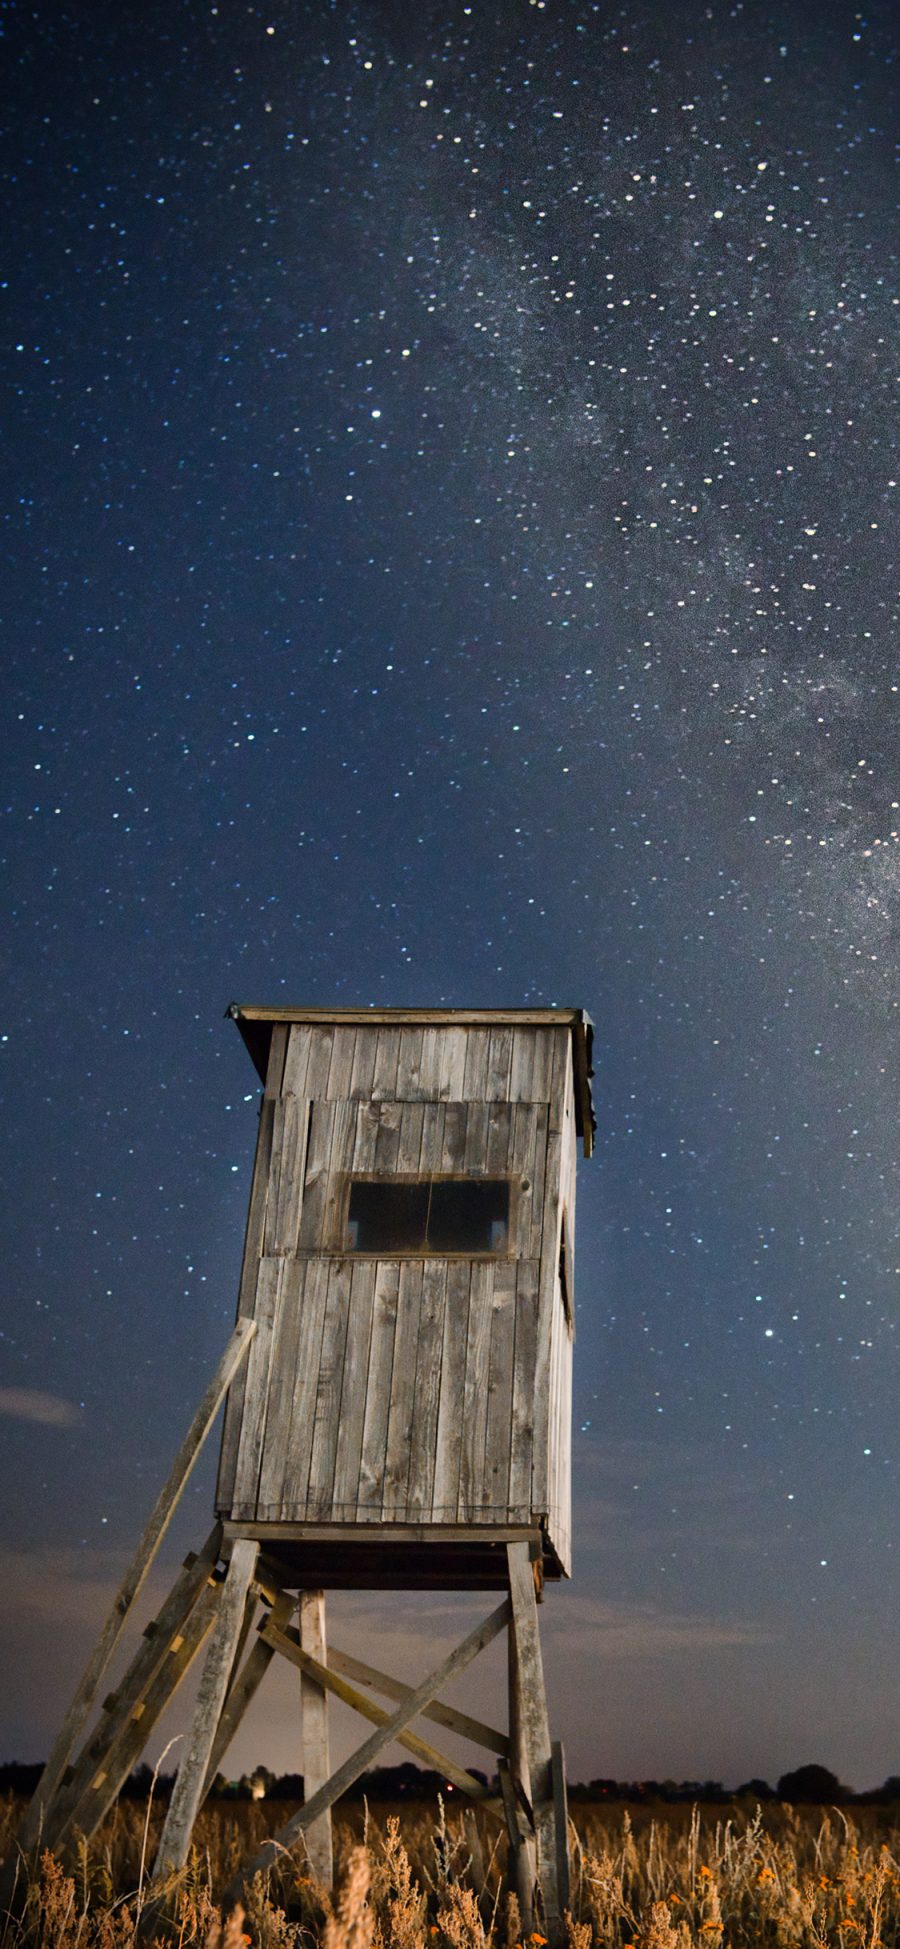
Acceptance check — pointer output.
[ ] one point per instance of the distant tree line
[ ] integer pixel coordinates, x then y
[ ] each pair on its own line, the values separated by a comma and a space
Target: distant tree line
806, 1786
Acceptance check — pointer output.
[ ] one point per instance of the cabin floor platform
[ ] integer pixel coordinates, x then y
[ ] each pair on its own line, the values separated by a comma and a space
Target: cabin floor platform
394, 1556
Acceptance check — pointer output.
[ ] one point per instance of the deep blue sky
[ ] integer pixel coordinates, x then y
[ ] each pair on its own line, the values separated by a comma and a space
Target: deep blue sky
449, 557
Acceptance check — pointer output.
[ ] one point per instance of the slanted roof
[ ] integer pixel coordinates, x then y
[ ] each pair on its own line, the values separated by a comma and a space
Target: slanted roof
256, 1025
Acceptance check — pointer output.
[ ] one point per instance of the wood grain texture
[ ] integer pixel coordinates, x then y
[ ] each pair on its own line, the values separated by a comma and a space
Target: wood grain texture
475, 1394
523, 1411
256, 1399
314, 1726
387, 1055
323, 1454
403, 1389
498, 1427
429, 1356
451, 1406
186, 1793
287, 1361
312, 1297
354, 1381
378, 1391
535, 1729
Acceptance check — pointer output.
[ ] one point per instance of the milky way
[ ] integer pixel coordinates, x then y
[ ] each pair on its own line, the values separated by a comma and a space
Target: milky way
450, 558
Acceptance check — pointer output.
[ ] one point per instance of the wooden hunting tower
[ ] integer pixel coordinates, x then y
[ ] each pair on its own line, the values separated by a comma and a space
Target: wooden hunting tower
398, 1409
405, 1408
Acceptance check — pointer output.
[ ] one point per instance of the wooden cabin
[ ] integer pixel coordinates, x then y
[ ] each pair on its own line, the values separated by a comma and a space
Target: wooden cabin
405, 1408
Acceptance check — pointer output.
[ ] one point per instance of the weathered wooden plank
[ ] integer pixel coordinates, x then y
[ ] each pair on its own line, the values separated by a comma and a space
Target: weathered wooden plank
314, 1726
451, 1407
387, 1142
296, 1066
523, 1400
184, 1804
378, 1392
549, 1276
321, 1045
499, 1059
402, 1400
243, 1688
120, 1706
409, 1059
364, 1064
429, 1352
498, 1150
545, 1041
538, 1176
340, 1068
520, 1816
451, 1087
278, 1048
286, 1363
449, 1716
256, 1401
430, 1064
353, 1389
330, 1680
313, 1295
475, 1397
365, 1754
535, 1727
409, 1149
368, 1124
521, 1164
343, 1144
328, 1393
449, 1017
319, 1151
495, 1485
453, 1147
432, 1138
132, 1583
476, 1137
476, 1073
288, 1171
387, 1054
522, 1066
134, 1727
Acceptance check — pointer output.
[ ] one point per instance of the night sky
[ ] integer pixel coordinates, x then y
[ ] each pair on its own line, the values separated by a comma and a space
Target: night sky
449, 558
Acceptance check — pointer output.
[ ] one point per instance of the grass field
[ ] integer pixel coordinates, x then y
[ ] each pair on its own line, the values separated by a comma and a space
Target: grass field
801, 1879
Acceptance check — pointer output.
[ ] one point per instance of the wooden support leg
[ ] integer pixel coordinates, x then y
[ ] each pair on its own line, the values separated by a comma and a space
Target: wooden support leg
551, 1847
520, 1822
128, 1591
314, 1721
97, 1783
188, 1789
244, 1687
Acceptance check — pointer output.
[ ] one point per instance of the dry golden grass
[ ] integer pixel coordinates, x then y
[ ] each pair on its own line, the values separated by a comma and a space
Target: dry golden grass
680, 1880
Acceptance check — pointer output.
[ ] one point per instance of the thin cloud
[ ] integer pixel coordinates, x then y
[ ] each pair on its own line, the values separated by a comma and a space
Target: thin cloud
35, 1404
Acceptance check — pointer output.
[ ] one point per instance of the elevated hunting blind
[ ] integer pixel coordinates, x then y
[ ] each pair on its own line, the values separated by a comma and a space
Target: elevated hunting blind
398, 1412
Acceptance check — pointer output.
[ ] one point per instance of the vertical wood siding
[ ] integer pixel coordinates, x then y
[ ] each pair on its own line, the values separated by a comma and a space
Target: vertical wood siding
405, 1390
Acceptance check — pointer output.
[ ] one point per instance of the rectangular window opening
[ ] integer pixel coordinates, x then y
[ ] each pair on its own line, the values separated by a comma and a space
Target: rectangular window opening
437, 1216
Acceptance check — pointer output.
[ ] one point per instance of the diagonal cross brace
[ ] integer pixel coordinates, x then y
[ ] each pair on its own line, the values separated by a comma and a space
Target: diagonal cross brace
357, 1763
287, 1642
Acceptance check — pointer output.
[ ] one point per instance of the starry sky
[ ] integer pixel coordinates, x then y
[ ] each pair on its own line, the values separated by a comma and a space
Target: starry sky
449, 558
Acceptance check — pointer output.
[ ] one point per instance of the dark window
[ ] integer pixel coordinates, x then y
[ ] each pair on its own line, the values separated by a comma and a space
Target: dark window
441, 1216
